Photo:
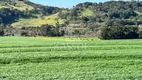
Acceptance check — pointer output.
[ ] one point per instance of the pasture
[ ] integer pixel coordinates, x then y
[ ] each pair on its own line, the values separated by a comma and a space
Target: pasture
23, 58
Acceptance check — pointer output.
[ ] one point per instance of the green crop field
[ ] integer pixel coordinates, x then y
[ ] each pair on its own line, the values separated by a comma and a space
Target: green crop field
42, 58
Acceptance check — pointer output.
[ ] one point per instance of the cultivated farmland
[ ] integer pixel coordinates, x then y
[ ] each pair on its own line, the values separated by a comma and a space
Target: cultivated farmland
68, 58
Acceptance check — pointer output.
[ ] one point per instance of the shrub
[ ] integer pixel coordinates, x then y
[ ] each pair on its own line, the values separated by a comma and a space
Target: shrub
119, 32
140, 34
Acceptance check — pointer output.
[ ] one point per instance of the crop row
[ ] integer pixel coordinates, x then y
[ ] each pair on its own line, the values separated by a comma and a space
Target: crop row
67, 48
103, 70
36, 57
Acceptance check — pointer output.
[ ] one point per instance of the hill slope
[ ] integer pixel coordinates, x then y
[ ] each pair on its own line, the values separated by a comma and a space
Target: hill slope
27, 13
50, 19
15, 4
87, 18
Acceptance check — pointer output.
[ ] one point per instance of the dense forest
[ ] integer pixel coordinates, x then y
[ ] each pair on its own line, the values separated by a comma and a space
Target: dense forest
108, 20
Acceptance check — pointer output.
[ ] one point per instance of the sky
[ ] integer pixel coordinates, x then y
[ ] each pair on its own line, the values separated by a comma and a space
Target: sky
63, 3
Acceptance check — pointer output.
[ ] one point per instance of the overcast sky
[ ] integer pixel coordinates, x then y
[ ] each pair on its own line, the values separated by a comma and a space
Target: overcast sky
63, 3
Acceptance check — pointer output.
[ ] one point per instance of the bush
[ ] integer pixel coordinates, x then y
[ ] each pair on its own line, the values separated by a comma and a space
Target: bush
24, 33
119, 32
1, 33
140, 34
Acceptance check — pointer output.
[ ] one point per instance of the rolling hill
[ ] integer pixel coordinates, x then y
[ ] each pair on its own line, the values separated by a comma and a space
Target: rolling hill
30, 14
15, 4
108, 20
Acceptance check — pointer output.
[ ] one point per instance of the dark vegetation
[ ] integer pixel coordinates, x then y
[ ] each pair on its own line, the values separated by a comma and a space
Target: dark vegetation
43, 30
8, 16
109, 20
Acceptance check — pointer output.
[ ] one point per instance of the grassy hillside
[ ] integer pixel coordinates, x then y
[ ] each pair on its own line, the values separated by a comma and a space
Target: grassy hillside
51, 20
56, 58
20, 5
25, 13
